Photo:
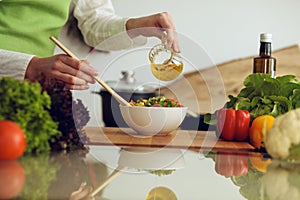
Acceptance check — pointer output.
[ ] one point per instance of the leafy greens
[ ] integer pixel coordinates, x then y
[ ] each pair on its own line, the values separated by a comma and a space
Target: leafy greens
263, 94
25, 103
49, 115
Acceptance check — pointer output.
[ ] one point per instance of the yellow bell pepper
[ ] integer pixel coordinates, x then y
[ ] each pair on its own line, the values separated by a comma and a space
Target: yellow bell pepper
259, 129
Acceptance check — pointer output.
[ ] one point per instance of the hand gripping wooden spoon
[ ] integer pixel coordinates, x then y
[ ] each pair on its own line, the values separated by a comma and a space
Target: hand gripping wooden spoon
97, 79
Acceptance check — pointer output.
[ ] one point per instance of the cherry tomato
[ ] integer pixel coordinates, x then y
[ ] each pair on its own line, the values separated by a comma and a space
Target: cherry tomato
12, 140
12, 178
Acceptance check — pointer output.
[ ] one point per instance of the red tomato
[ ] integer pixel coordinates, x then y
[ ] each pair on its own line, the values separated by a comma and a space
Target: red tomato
12, 140
12, 178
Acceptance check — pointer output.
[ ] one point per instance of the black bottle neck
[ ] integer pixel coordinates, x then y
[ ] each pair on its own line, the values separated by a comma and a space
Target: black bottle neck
265, 49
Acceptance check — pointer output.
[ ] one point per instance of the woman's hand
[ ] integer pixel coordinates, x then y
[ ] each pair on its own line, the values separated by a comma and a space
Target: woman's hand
83, 193
74, 73
158, 23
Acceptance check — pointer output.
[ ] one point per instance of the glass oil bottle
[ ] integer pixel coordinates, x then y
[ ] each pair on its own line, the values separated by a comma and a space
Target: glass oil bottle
265, 63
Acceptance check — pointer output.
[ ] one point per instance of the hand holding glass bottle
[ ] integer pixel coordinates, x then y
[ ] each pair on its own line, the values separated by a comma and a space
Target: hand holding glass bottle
166, 65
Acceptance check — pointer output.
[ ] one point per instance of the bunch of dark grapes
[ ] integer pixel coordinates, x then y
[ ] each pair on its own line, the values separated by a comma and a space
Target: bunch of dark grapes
70, 114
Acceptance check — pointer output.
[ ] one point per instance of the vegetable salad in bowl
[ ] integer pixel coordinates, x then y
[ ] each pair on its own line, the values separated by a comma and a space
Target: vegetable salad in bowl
156, 102
156, 115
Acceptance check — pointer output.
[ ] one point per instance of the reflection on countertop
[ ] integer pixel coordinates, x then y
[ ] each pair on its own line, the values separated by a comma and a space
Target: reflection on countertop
149, 173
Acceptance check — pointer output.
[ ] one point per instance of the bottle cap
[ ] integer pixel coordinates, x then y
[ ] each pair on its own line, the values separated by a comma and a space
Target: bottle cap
266, 37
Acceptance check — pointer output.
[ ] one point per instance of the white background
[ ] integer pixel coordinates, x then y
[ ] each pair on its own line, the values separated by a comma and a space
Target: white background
227, 29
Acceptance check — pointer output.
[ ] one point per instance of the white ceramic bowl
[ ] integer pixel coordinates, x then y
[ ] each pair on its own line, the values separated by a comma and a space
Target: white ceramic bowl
151, 158
153, 120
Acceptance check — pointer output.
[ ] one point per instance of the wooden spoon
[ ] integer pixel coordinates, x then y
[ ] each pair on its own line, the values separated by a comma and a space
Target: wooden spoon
101, 82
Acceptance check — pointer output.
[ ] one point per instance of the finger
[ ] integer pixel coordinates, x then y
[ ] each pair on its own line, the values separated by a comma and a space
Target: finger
84, 193
85, 77
170, 37
80, 65
166, 23
90, 197
67, 78
72, 66
77, 73
172, 40
86, 68
75, 193
77, 87
156, 32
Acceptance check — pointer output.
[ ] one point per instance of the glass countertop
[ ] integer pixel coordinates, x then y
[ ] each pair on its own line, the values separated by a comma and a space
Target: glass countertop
113, 173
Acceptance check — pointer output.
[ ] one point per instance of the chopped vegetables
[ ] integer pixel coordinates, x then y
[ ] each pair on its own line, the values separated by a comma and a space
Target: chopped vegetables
156, 102
162, 172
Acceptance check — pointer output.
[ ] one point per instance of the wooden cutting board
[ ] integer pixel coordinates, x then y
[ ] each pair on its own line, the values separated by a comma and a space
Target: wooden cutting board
187, 139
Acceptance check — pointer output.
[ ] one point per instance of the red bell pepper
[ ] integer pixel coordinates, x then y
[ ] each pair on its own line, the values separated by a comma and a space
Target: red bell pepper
231, 164
233, 124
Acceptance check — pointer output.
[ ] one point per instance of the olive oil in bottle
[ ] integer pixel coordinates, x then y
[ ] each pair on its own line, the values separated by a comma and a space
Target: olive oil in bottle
166, 71
265, 63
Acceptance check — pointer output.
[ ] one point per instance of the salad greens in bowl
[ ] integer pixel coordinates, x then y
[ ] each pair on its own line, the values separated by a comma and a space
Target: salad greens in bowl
156, 115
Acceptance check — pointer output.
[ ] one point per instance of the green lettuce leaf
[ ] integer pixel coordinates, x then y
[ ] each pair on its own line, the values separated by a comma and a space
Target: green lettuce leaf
263, 94
26, 104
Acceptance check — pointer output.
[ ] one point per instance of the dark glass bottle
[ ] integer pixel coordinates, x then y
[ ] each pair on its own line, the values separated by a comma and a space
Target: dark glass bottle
265, 63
